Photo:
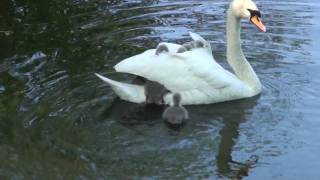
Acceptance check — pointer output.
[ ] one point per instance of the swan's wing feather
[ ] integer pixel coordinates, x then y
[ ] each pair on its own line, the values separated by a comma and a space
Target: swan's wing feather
196, 37
178, 72
169, 70
203, 66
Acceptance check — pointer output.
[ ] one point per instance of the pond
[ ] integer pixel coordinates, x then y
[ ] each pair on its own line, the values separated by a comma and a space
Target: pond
58, 120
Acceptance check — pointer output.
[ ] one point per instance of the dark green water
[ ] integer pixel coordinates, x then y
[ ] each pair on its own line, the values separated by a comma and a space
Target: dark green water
59, 121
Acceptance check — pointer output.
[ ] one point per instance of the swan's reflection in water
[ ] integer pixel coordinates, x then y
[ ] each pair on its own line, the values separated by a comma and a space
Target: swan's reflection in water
229, 134
228, 115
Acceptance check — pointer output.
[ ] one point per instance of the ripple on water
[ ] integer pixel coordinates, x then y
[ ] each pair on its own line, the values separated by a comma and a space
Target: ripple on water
57, 109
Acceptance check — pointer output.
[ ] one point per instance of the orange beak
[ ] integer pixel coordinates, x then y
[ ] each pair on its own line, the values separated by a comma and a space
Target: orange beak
257, 21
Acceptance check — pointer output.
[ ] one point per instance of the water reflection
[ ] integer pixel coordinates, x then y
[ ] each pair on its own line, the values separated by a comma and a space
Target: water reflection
143, 119
229, 135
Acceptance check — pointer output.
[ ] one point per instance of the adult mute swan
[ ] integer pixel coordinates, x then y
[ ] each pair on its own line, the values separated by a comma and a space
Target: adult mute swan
194, 74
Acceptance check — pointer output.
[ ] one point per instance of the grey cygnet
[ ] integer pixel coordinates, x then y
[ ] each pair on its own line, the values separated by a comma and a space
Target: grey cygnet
190, 45
154, 92
162, 48
176, 114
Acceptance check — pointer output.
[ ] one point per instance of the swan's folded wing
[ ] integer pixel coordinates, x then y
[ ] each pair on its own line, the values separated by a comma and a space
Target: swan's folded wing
178, 72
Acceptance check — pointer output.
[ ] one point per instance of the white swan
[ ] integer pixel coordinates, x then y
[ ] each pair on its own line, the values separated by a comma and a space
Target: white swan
194, 74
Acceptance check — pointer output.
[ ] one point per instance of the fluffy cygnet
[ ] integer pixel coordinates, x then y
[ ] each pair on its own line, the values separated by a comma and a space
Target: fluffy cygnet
161, 48
176, 114
154, 92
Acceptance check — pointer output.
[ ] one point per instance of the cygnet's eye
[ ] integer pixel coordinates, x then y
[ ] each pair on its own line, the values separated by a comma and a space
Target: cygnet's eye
254, 13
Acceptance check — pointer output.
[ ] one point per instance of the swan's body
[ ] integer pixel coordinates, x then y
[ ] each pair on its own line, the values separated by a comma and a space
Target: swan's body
194, 74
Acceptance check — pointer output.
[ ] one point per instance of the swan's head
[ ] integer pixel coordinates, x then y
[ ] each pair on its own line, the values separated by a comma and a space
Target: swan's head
247, 9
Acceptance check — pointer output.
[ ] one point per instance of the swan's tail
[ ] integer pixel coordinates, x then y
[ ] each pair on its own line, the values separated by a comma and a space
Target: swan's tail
128, 92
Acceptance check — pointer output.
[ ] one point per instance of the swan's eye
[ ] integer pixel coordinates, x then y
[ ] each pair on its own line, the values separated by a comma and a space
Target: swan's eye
254, 13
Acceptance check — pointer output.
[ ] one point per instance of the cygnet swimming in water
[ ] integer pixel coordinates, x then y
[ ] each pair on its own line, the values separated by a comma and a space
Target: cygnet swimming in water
154, 92
176, 114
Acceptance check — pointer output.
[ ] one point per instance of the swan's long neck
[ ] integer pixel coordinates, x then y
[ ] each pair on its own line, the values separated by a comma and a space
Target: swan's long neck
235, 56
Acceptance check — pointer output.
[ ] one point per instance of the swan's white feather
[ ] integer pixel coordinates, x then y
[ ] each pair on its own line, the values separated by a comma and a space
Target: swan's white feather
194, 74
196, 37
128, 92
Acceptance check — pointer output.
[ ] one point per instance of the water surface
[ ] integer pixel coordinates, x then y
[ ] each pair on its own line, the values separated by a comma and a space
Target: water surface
58, 120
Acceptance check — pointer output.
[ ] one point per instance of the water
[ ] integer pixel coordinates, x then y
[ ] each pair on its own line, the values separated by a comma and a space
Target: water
58, 120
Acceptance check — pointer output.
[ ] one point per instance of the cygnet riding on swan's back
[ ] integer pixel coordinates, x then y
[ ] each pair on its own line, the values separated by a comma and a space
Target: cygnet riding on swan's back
194, 74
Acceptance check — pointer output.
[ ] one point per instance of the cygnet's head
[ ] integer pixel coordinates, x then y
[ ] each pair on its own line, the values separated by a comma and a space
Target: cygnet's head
161, 48
247, 9
198, 44
176, 99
